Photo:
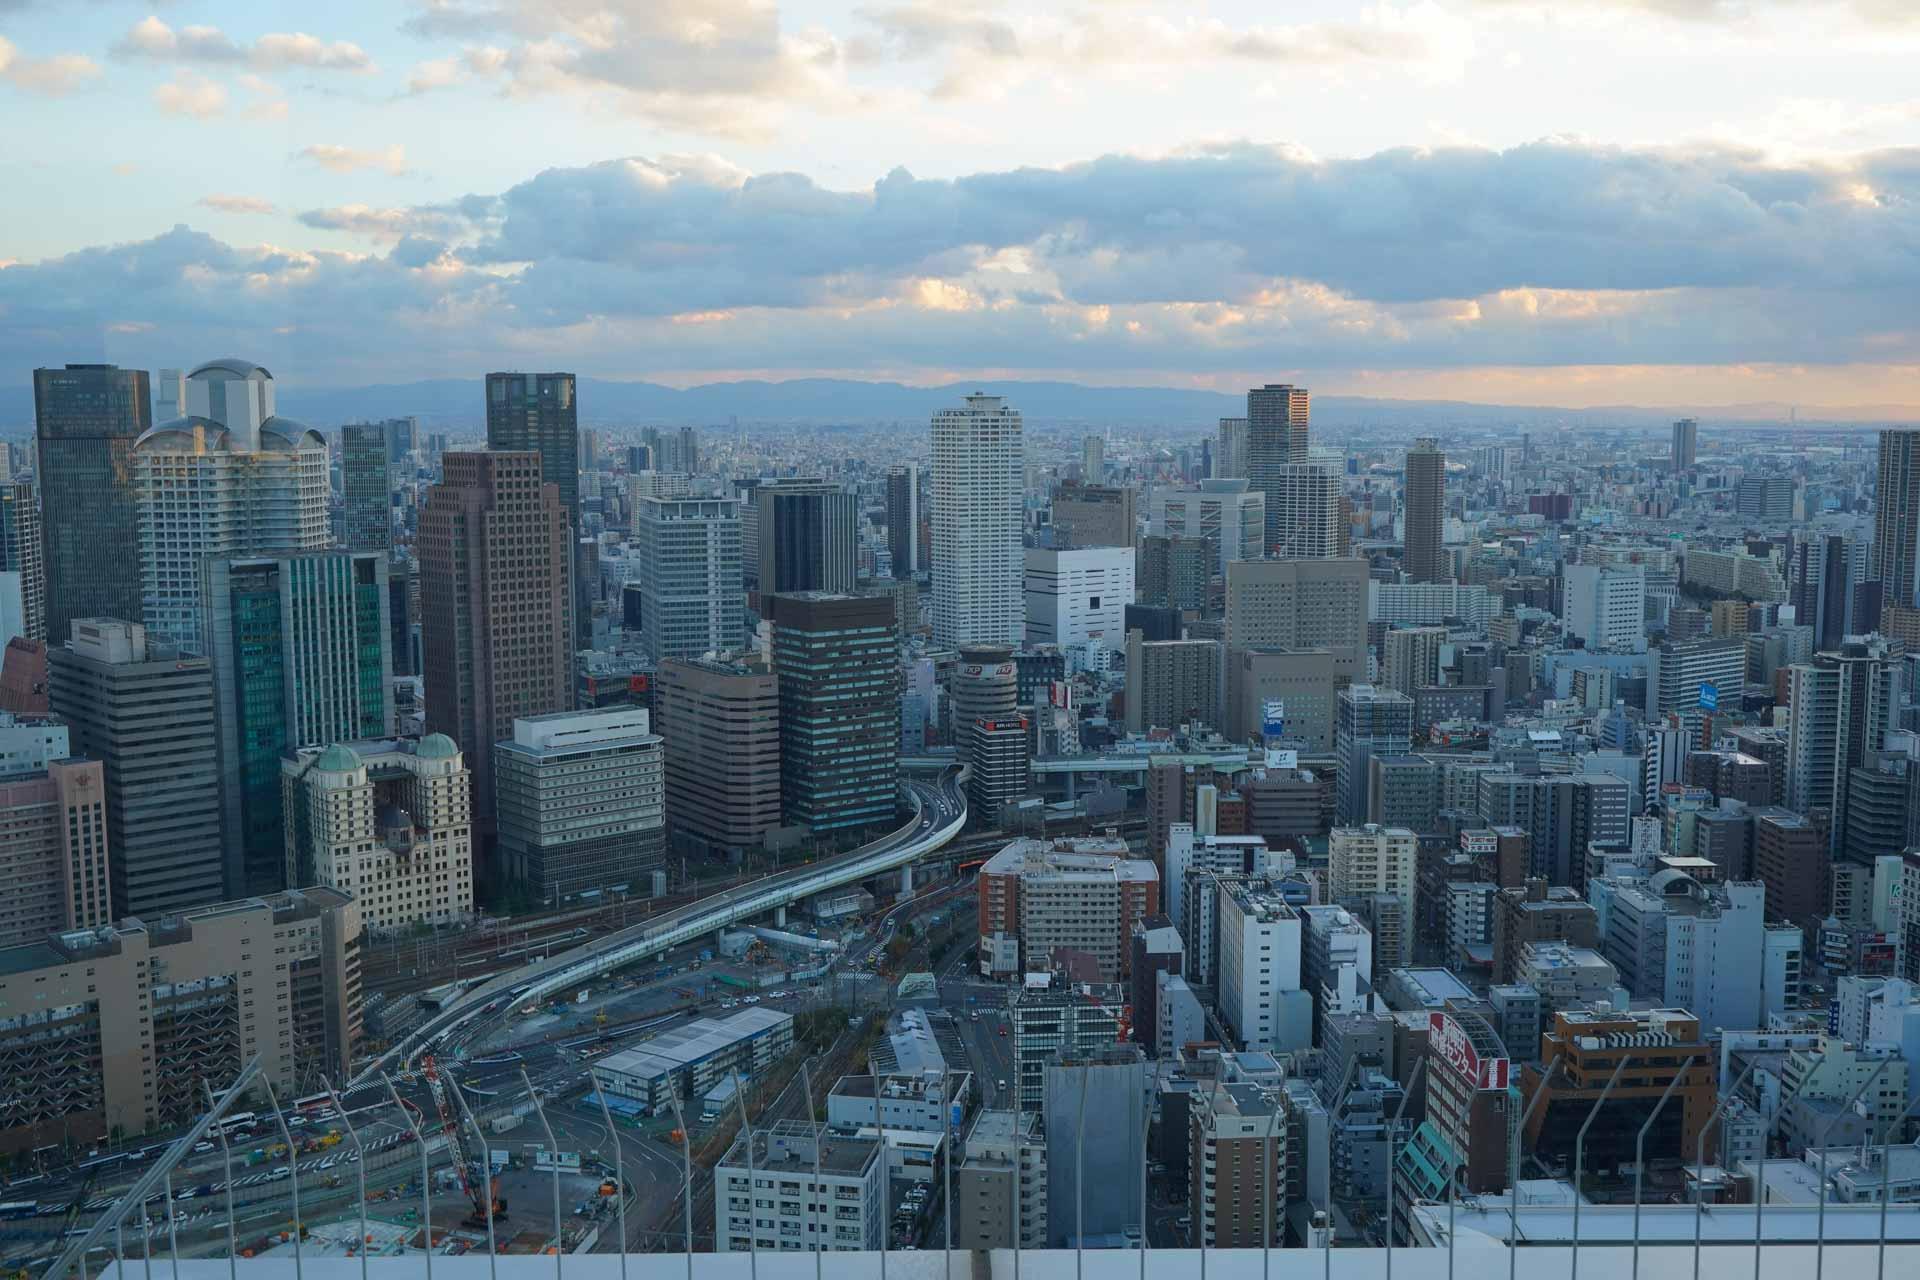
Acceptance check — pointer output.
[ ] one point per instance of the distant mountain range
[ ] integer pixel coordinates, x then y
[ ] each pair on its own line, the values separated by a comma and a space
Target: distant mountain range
456, 402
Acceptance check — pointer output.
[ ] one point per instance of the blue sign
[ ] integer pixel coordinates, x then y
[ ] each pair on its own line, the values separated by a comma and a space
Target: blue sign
1709, 698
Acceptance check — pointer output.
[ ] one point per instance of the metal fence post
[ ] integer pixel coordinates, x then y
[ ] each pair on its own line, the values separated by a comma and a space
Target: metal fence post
1580, 1155
1700, 1158
1513, 1168
293, 1169
686, 1195
1640, 1159
1760, 1174
360, 1164
1886, 1181
1270, 1158
553, 1145
486, 1170
1393, 1127
621, 1187
813, 1211
946, 1170
1080, 1176
226, 1172
1333, 1109
419, 1131
753, 1191
1820, 1241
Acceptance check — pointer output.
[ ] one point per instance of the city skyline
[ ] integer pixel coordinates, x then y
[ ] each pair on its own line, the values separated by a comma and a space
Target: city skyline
407, 205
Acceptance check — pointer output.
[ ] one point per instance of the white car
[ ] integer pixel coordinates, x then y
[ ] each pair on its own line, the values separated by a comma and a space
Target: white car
750, 1000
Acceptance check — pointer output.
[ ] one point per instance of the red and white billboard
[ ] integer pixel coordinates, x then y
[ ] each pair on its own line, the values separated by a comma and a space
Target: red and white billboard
1449, 1040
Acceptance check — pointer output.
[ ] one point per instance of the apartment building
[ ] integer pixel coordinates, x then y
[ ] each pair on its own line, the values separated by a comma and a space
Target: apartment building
1083, 894
799, 1186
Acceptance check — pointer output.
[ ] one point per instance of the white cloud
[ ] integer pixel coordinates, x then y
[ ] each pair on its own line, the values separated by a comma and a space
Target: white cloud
54, 76
191, 94
152, 38
344, 159
238, 204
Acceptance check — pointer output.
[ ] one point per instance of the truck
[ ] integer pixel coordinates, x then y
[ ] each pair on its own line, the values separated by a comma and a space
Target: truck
581, 997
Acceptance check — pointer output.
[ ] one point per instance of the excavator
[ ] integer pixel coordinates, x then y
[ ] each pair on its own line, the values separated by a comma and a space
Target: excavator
475, 1174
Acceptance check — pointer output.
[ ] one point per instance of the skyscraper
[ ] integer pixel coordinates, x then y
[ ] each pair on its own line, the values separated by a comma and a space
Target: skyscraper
691, 600
723, 773
1276, 436
1841, 706
230, 478
838, 660
1686, 443
1311, 525
807, 536
537, 412
23, 568
1896, 517
147, 716
1301, 604
978, 512
299, 646
903, 519
1093, 460
86, 418
496, 630
366, 486
1230, 450
1426, 496
1372, 722
986, 706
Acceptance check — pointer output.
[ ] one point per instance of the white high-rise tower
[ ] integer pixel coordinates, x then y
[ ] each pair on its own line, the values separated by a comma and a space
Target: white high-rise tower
978, 563
229, 478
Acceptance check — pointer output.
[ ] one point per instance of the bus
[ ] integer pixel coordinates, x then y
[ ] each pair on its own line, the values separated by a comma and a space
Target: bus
13, 1209
237, 1121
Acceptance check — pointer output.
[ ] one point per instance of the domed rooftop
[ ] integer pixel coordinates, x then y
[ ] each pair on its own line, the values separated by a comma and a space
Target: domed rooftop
232, 368
278, 433
437, 746
338, 758
183, 434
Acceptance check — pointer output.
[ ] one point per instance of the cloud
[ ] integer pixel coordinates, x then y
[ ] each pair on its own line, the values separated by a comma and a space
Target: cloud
238, 204
191, 94
152, 38
1212, 261
343, 159
1888, 13
54, 76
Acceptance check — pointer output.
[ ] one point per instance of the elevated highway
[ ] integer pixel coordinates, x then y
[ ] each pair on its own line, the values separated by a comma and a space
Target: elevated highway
939, 812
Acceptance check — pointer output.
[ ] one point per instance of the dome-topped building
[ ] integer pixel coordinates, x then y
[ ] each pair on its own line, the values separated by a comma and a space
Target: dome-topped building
230, 477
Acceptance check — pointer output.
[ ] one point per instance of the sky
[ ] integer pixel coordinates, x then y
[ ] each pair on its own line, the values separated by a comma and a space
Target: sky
1581, 202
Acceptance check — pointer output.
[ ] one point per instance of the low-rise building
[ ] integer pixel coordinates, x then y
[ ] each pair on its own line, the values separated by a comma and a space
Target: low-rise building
1001, 1179
1080, 894
688, 1060
800, 1186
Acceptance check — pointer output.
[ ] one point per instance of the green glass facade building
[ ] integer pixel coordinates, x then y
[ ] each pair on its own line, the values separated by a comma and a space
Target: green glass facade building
299, 645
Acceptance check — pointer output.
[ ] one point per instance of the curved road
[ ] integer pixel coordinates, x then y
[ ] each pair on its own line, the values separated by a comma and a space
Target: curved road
940, 811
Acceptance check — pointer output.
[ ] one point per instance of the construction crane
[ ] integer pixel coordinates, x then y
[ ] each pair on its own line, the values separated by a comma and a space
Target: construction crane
474, 1174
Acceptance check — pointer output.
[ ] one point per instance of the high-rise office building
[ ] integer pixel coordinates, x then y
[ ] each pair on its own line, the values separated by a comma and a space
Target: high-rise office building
23, 568
1230, 450
366, 486
691, 596
903, 519
299, 650
988, 728
539, 413
1311, 523
1840, 707
978, 512
496, 559
1607, 606
838, 659
1371, 722
389, 821
1896, 517
1276, 437
1828, 583
1174, 682
1692, 677
583, 802
1768, 498
403, 438
1078, 595
1094, 515
230, 478
807, 536
721, 722
1410, 658
86, 418
147, 715
1175, 572
1426, 508
1686, 444
1229, 515
1367, 860
1300, 604
1093, 460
